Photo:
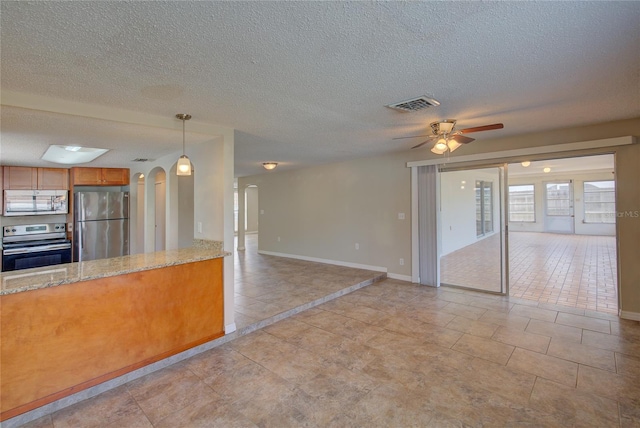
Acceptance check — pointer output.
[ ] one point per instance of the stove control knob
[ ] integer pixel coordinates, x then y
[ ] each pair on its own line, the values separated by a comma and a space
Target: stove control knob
13, 230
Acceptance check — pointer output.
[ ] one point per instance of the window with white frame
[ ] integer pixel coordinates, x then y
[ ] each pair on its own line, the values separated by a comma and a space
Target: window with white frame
522, 206
600, 201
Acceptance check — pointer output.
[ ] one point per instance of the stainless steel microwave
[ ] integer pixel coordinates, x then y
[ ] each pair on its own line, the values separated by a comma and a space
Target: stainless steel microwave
35, 202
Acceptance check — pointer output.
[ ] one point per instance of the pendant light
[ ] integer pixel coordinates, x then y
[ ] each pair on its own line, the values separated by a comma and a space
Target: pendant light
184, 164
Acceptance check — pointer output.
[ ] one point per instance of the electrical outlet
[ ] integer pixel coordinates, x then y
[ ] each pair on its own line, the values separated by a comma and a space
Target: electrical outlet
357, 246
199, 227
278, 239
401, 262
261, 211
400, 216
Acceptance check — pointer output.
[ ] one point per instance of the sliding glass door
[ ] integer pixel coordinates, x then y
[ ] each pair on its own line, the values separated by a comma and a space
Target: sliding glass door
472, 231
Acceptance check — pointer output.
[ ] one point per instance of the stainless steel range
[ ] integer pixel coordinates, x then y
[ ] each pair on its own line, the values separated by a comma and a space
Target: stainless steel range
34, 245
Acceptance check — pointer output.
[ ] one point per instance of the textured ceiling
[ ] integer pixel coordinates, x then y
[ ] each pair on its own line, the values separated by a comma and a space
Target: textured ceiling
306, 82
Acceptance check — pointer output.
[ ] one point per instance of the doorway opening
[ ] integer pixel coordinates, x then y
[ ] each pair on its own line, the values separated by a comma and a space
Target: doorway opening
562, 232
247, 214
561, 237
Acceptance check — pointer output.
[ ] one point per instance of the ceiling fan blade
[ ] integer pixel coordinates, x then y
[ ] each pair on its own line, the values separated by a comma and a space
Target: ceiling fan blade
482, 128
462, 139
423, 143
415, 136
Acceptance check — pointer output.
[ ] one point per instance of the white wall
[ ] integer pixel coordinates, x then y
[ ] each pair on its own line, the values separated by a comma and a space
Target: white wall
323, 211
539, 180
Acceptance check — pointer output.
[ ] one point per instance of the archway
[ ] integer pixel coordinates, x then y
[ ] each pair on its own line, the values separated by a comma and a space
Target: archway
137, 213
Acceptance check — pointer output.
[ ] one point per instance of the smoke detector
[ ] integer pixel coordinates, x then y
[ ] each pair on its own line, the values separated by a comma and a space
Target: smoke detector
415, 104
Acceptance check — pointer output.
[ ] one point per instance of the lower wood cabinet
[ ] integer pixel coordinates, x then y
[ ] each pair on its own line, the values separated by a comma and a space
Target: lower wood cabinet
59, 340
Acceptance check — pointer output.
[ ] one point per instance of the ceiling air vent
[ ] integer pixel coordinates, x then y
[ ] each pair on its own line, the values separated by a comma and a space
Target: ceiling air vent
415, 104
141, 160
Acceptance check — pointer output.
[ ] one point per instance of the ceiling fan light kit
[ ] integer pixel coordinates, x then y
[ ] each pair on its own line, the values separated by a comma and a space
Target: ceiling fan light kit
449, 140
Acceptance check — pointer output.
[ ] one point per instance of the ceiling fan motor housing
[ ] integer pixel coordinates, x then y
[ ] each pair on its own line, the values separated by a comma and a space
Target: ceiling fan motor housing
443, 126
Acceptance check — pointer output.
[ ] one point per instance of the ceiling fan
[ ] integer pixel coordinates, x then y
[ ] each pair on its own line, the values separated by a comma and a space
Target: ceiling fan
447, 139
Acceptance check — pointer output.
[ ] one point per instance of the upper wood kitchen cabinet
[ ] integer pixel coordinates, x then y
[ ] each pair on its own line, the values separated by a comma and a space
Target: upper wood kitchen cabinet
28, 178
82, 176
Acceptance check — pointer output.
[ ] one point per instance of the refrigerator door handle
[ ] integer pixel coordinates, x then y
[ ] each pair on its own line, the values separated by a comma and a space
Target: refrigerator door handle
79, 243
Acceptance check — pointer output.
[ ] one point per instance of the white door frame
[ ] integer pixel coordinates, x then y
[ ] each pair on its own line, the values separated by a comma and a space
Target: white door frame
559, 223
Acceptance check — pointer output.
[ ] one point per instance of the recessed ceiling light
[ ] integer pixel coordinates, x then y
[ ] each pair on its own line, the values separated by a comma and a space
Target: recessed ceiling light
526, 164
71, 154
547, 169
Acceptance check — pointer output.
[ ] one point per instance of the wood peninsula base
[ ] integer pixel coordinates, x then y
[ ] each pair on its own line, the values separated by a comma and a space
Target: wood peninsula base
59, 340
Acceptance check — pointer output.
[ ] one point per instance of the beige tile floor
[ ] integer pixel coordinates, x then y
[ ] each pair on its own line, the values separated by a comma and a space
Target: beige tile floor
570, 270
267, 285
394, 354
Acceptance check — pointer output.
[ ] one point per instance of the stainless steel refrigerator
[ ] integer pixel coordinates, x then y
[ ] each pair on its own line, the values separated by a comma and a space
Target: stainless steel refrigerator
101, 225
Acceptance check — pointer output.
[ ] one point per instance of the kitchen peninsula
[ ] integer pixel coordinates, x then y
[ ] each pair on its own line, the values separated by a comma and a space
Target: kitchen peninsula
68, 327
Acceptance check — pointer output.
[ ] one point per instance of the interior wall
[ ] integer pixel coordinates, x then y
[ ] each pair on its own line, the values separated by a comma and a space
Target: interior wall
160, 211
150, 211
322, 211
137, 229
628, 228
580, 227
185, 214
213, 205
252, 203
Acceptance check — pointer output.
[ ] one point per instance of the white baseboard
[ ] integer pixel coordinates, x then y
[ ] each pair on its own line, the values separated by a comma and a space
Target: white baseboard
329, 262
634, 316
399, 277
230, 328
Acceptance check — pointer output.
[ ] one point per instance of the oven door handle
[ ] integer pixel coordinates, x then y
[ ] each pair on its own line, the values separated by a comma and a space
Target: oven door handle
11, 251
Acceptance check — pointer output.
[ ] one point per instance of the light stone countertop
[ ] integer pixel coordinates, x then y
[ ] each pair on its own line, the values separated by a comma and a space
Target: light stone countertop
68, 273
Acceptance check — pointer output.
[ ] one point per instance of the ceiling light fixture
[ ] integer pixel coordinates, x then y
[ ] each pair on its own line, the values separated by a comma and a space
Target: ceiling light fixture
269, 165
70, 155
444, 145
547, 169
525, 164
184, 164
